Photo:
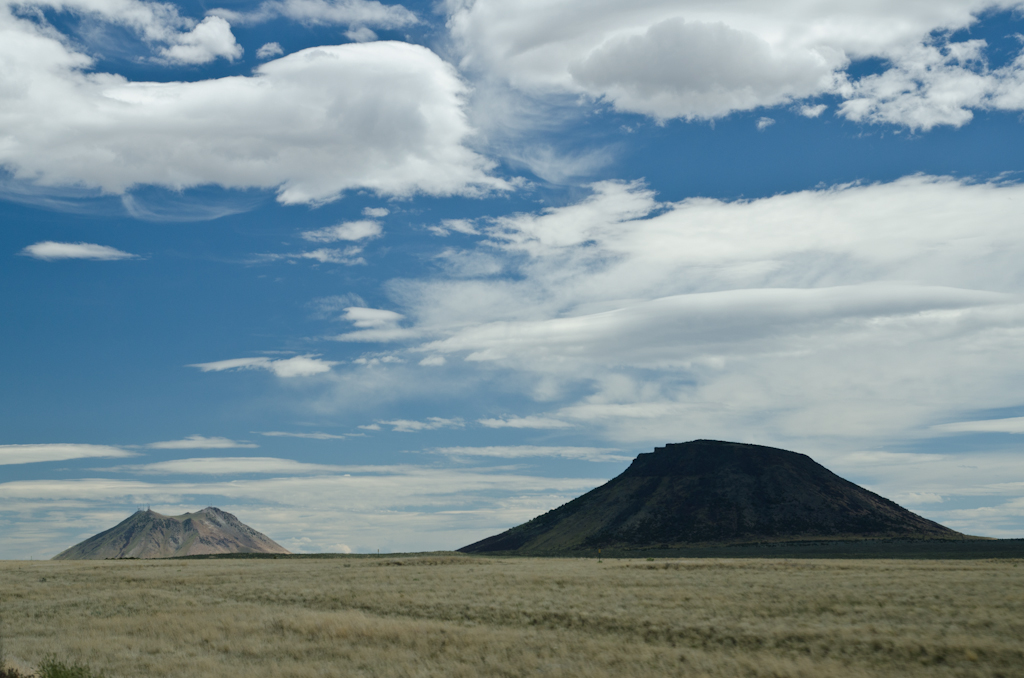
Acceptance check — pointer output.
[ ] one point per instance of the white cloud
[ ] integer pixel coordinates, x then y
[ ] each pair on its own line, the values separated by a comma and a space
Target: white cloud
809, 111
52, 251
855, 313
376, 212
431, 424
932, 85
308, 125
200, 443
764, 123
210, 39
594, 454
155, 22
697, 59
360, 34
299, 366
349, 230
27, 454
433, 361
327, 12
269, 51
231, 466
525, 422
692, 69
327, 255
1010, 425
375, 324
465, 226
310, 436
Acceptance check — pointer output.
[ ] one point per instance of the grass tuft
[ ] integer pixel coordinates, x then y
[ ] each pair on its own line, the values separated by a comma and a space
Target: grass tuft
51, 667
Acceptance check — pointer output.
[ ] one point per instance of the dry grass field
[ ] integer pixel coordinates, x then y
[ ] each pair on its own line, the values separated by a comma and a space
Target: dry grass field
474, 616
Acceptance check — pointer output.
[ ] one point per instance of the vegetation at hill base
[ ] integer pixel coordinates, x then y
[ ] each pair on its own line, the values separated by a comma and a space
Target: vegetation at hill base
51, 667
475, 616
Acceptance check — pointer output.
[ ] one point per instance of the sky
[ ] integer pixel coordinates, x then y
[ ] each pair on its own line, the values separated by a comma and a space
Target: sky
401, 276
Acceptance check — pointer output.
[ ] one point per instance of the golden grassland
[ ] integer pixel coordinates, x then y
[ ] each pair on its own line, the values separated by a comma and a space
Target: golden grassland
453, 615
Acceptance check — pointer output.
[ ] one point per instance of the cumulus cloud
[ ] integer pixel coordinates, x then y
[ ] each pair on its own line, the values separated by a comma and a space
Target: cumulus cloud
809, 111
360, 34
157, 23
200, 443
376, 212
269, 50
52, 251
520, 451
27, 454
430, 424
764, 123
385, 116
286, 368
702, 60
699, 70
211, 38
349, 230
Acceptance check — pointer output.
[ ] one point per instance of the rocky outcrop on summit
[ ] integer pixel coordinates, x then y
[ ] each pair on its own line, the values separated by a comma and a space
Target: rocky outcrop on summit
148, 534
712, 492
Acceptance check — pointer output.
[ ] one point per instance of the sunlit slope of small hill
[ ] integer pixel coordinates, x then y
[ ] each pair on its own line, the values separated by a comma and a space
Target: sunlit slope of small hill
706, 492
148, 534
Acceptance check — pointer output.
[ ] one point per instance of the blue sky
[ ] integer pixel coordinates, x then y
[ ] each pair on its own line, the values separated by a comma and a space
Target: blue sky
398, 277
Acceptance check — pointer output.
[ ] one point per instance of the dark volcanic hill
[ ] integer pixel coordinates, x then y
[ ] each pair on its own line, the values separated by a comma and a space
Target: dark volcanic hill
711, 492
148, 534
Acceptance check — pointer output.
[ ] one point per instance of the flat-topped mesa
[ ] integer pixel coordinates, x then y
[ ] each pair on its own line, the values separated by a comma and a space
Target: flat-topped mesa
148, 534
713, 492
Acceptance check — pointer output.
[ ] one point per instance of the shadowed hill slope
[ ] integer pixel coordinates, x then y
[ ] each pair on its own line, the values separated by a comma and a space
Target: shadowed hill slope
147, 534
707, 491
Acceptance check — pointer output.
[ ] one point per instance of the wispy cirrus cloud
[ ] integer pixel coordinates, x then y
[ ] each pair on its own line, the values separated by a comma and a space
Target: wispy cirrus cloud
653, 322
324, 255
429, 424
349, 230
54, 251
197, 442
310, 436
286, 368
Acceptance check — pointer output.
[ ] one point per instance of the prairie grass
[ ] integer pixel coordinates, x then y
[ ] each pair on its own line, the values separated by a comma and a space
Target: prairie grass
503, 617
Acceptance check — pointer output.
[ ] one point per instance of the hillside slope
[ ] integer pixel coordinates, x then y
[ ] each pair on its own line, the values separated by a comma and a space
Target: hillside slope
708, 491
147, 534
